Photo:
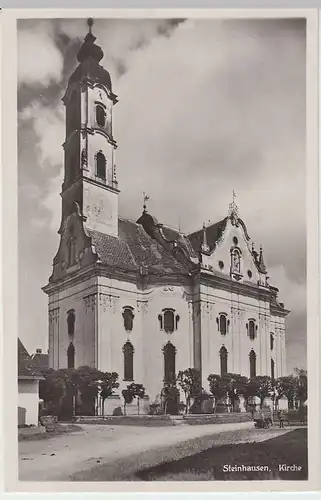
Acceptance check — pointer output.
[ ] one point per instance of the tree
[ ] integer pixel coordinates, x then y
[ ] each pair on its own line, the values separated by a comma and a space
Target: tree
262, 387
301, 385
218, 386
170, 396
128, 397
58, 389
136, 391
88, 385
285, 386
107, 385
190, 382
236, 386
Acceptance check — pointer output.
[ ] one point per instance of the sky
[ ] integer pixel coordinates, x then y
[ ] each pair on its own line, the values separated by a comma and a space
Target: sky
205, 107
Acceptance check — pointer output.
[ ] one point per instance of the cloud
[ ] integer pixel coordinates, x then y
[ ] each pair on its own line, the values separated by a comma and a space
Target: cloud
205, 107
39, 60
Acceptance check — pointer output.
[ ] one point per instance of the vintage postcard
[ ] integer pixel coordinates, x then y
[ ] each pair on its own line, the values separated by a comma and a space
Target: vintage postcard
165, 302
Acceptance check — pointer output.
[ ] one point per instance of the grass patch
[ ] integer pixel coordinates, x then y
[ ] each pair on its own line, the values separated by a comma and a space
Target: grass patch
289, 448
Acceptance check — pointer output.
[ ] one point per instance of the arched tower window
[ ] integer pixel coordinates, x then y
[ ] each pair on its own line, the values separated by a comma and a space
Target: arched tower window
169, 363
100, 115
252, 364
101, 165
128, 317
71, 318
71, 356
223, 360
128, 351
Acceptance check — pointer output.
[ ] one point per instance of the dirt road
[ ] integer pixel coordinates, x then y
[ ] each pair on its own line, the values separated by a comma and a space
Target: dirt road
122, 449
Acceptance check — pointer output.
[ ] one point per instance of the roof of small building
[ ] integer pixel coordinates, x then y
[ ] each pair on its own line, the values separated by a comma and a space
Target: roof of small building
27, 368
41, 360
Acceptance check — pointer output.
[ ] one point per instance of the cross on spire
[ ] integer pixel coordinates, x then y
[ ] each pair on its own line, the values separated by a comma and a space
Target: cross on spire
233, 208
145, 199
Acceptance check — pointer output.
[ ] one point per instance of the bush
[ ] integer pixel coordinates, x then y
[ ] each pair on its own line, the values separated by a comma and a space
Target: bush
118, 412
155, 409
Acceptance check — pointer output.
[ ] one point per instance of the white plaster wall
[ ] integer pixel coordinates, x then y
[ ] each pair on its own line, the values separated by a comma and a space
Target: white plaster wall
28, 398
100, 206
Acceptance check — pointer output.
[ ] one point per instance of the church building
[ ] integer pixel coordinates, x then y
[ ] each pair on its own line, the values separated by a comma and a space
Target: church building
140, 298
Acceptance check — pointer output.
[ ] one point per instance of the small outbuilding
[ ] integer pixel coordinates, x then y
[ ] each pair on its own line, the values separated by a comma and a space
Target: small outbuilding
28, 387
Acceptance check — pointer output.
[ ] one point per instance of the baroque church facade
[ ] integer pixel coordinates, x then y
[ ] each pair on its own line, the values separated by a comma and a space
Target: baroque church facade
140, 298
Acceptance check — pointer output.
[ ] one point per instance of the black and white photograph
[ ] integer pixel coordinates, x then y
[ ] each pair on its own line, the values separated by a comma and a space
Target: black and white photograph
162, 249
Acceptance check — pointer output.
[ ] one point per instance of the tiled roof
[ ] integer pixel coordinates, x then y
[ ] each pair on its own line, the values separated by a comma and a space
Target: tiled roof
133, 248
41, 361
213, 234
27, 368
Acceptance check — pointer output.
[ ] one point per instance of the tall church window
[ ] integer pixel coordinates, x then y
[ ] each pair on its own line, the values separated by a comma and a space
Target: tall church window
128, 317
223, 361
272, 369
252, 364
169, 362
71, 318
71, 251
251, 329
128, 351
222, 323
100, 115
101, 165
71, 356
271, 341
168, 320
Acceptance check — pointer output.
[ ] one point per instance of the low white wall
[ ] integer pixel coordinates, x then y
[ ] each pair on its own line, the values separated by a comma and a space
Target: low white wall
28, 398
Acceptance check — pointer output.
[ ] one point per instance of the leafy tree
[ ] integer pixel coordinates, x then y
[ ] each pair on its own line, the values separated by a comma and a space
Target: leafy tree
285, 386
301, 385
236, 385
58, 388
170, 396
262, 386
128, 397
218, 386
107, 385
190, 382
136, 391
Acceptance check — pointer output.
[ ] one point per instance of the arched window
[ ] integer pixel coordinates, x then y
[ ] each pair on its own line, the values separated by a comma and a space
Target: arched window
271, 341
128, 351
71, 251
223, 361
252, 364
272, 369
71, 322
168, 320
222, 324
169, 362
71, 356
101, 165
251, 329
128, 316
100, 115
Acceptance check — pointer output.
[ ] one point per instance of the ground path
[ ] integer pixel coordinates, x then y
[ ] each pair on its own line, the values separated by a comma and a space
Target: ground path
104, 452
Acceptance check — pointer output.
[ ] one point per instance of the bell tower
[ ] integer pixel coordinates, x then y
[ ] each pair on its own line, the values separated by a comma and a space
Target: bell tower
90, 185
